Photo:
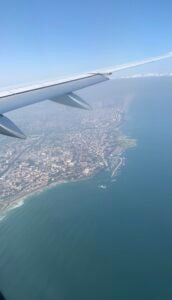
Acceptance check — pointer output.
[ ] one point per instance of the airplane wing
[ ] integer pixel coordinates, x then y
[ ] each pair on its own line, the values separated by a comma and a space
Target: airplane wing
59, 91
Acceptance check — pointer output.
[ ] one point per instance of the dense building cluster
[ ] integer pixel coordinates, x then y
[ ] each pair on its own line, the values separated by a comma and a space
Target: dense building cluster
96, 144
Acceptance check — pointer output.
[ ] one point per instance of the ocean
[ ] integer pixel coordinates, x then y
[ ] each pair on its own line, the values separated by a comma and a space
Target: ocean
79, 241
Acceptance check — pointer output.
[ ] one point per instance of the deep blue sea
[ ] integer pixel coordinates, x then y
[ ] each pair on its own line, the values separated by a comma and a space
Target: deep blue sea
77, 241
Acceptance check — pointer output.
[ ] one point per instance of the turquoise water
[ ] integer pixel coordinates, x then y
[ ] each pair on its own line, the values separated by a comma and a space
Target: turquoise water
77, 241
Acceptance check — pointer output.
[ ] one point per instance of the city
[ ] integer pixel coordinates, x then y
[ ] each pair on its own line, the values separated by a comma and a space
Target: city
92, 143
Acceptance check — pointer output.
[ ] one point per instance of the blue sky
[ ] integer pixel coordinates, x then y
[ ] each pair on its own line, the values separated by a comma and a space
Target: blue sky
46, 39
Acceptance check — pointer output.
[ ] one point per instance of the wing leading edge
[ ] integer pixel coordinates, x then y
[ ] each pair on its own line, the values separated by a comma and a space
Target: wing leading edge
58, 91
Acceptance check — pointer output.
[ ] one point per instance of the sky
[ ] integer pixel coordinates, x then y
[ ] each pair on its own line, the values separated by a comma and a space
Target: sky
52, 39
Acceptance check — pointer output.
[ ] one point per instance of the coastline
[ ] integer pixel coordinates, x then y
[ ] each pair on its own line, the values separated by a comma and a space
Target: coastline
19, 201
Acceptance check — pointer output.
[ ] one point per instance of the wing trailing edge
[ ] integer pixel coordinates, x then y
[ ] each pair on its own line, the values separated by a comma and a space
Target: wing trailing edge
58, 91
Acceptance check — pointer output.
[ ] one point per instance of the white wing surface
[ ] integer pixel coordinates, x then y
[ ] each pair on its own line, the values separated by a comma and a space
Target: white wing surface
60, 91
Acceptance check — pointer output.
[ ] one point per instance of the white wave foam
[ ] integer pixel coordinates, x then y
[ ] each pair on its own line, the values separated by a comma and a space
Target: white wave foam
17, 204
2, 217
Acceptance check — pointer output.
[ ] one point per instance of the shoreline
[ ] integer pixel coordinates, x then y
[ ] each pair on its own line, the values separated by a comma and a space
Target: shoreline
19, 201
16, 202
